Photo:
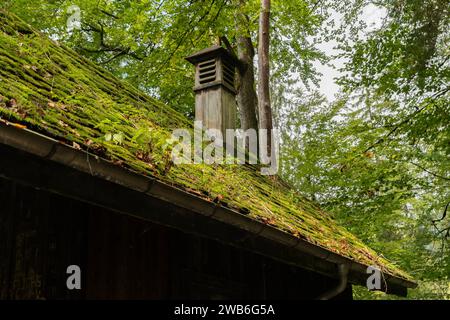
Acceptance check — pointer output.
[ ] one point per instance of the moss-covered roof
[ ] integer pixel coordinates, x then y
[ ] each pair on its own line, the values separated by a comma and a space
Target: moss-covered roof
51, 89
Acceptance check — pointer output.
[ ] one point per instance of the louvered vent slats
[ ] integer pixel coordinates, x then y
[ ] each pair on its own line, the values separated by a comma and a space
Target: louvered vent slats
207, 71
228, 74
213, 71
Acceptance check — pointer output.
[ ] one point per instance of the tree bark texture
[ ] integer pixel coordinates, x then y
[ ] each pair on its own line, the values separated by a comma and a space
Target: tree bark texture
264, 107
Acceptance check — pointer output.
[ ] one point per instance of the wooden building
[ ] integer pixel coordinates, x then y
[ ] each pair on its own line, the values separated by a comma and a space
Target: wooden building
86, 180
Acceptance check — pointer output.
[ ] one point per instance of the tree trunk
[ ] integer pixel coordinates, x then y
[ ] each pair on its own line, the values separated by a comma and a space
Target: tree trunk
246, 96
264, 107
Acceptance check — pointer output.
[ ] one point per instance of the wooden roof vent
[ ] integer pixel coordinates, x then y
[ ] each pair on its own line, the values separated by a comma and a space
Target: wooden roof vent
215, 93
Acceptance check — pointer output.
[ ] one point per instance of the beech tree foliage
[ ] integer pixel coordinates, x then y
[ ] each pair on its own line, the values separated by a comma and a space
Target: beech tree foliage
377, 158
145, 41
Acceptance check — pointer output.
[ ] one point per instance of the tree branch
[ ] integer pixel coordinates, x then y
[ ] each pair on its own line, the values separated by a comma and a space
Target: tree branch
428, 171
405, 121
444, 214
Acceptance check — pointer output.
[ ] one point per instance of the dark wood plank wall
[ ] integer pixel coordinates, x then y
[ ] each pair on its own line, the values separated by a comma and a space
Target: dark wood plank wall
128, 258
39, 238
207, 269
125, 258
6, 237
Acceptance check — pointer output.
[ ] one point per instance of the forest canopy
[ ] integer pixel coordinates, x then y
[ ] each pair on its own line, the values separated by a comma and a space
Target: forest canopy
377, 156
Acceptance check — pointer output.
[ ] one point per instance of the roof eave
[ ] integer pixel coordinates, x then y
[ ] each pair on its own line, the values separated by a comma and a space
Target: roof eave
45, 147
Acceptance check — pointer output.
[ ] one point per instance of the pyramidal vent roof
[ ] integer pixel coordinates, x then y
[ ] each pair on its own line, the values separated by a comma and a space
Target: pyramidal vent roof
50, 89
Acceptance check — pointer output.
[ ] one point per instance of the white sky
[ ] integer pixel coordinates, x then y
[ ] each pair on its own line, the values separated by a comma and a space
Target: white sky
373, 16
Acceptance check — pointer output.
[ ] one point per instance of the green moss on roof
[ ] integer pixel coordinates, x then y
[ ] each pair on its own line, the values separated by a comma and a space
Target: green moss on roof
51, 89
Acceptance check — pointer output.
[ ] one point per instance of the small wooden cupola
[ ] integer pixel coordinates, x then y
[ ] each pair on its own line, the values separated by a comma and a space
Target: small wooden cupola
215, 92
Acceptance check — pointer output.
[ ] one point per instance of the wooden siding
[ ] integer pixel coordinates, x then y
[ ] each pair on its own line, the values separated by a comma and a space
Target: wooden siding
216, 108
122, 257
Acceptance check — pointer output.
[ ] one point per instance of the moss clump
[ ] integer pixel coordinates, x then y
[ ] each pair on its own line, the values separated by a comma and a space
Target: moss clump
51, 89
